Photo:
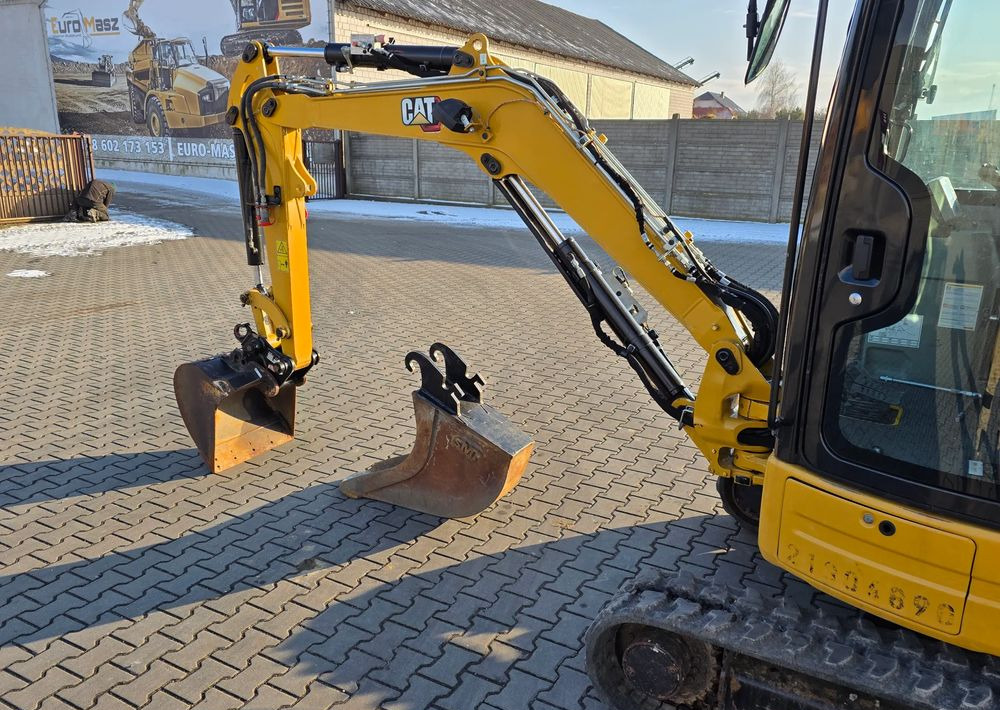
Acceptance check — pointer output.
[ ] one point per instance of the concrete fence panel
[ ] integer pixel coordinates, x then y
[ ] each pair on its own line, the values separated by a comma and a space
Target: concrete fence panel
742, 170
791, 164
445, 174
644, 148
725, 169
381, 167
193, 157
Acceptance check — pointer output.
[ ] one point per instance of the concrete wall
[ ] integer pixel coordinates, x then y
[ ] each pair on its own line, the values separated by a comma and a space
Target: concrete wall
718, 169
595, 89
192, 157
28, 97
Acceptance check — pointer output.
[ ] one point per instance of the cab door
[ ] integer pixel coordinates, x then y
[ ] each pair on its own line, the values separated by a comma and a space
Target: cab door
893, 356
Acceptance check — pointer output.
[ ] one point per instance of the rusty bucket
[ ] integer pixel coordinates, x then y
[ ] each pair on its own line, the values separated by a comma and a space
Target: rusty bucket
466, 456
233, 413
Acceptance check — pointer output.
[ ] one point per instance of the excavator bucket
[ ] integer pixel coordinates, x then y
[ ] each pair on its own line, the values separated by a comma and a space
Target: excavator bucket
233, 413
467, 454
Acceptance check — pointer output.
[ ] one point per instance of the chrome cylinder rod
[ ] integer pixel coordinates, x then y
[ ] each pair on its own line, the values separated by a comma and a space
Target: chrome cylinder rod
311, 52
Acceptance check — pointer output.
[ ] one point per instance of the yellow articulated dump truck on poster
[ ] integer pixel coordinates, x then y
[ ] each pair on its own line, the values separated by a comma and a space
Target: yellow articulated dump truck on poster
171, 91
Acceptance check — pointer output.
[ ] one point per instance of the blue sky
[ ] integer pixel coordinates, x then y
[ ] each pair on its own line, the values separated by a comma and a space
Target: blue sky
712, 32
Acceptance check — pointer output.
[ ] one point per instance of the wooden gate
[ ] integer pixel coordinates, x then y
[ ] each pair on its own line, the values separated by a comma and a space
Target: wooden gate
41, 173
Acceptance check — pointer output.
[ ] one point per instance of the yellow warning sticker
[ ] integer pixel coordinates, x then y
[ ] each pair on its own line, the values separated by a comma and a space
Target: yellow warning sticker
282, 260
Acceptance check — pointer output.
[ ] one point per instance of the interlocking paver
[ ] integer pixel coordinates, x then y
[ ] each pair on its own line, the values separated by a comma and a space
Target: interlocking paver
519, 692
165, 701
245, 683
319, 696
138, 659
30, 696
85, 694
545, 659
565, 692
192, 653
195, 684
34, 667
469, 692
421, 693
132, 577
497, 662
10, 683
147, 683
400, 667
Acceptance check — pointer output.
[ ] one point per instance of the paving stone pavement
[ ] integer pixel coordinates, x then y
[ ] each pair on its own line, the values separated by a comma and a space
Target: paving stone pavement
132, 577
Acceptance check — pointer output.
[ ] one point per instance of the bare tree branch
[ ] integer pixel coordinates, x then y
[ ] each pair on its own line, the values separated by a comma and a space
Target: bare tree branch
778, 95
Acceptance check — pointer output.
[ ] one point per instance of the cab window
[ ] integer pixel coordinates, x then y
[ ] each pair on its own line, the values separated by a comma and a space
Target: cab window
917, 397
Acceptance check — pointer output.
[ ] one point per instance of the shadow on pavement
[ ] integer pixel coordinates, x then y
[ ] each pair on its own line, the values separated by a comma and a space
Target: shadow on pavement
376, 607
393, 239
408, 240
27, 483
301, 532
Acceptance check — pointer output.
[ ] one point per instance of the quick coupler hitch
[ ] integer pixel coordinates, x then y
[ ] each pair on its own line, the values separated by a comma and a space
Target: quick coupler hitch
466, 454
240, 404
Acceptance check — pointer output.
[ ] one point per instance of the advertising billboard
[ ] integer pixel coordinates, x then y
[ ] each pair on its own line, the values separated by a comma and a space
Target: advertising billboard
160, 69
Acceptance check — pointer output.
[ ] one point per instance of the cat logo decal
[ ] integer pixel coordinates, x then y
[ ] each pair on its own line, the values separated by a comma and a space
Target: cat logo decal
419, 111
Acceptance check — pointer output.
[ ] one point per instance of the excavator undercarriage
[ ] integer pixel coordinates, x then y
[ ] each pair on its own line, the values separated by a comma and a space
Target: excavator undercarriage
672, 640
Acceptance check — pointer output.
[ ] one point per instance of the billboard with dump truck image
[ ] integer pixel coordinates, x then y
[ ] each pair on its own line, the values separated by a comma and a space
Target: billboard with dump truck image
161, 68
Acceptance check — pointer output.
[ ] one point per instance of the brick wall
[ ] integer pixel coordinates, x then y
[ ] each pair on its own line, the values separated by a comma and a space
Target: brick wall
717, 169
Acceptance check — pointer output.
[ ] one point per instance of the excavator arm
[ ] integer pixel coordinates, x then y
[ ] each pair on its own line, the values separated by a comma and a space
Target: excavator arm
519, 128
135, 25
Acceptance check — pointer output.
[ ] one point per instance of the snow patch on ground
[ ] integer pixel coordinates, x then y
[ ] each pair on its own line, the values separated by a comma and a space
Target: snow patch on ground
83, 238
442, 214
715, 230
206, 186
704, 230
28, 274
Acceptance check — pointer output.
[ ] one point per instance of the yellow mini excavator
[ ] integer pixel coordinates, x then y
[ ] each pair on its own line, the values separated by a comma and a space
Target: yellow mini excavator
853, 427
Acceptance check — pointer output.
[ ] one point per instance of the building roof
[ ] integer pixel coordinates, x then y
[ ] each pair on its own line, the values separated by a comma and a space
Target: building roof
722, 100
534, 24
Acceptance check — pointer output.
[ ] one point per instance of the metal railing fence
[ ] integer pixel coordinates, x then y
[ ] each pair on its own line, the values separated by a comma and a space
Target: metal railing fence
41, 173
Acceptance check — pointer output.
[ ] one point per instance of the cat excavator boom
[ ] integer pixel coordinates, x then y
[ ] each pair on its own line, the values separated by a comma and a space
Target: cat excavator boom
832, 457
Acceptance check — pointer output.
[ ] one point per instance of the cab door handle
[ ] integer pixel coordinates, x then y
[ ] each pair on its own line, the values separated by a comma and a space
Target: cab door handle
863, 257
862, 260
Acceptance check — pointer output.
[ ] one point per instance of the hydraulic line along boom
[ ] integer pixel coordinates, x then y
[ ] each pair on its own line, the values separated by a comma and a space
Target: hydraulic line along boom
516, 126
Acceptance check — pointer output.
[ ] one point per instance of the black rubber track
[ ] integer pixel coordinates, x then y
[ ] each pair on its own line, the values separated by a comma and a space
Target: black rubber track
878, 660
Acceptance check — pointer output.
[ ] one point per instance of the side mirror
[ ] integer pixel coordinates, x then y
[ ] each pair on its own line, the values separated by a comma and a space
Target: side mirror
765, 35
752, 27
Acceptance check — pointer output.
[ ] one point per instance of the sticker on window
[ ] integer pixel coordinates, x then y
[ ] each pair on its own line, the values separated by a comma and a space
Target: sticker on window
960, 306
904, 334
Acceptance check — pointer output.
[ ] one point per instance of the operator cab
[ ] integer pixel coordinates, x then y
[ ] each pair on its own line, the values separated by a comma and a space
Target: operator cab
891, 384
176, 53
254, 11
